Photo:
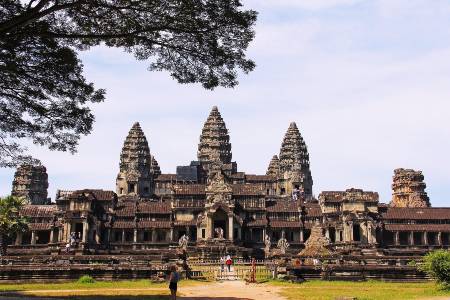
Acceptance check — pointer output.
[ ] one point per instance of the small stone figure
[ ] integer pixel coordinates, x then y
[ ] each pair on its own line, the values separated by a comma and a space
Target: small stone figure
183, 242
219, 233
283, 245
267, 244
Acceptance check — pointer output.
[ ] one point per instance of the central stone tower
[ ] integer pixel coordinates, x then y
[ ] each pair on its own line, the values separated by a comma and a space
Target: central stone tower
137, 166
214, 143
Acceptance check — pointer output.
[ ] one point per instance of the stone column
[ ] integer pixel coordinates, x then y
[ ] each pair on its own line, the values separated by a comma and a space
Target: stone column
33, 237
365, 233
97, 236
52, 232
135, 236
302, 237
439, 238
18, 239
85, 232
264, 233
397, 238
230, 227
350, 229
411, 238
153, 235
171, 234
327, 233
425, 238
123, 235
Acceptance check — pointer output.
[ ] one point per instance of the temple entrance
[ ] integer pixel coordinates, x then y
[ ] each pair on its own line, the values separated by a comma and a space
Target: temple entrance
220, 221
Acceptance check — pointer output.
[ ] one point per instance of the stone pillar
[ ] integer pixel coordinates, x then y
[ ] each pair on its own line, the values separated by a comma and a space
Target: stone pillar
350, 229
52, 232
425, 238
19, 239
98, 236
302, 237
33, 237
85, 232
230, 228
209, 228
327, 233
397, 238
171, 234
135, 235
365, 233
264, 233
123, 235
439, 237
153, 235
411, 238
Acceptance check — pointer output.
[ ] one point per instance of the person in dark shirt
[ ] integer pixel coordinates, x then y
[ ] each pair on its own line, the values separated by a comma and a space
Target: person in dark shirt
173, 281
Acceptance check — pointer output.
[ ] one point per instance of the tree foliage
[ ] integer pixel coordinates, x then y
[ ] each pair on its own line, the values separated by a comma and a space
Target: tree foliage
11, 222
437, 265
43, 94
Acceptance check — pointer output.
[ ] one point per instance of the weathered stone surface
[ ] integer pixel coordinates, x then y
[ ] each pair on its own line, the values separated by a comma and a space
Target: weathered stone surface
31, 182
214, 141
135, 176
294, 161
408, 189
317, 245
274, 167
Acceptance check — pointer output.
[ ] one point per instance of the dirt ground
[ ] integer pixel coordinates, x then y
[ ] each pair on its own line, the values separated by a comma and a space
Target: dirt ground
227, 290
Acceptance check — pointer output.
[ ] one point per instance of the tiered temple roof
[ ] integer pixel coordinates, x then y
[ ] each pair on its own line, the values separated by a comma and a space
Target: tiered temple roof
408, 189
135, 176
274, 166
214, 140
31, 182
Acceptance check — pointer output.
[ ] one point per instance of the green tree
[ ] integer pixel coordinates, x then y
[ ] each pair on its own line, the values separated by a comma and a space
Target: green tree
437, 265
11, 222
43, 94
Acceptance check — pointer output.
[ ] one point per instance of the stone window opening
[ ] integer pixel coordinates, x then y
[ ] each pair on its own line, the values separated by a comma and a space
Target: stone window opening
356, 233
131, 188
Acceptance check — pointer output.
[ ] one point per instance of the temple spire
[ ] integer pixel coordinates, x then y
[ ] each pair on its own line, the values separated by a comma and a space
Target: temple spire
294, 160
274, 166
214, 143
135, 175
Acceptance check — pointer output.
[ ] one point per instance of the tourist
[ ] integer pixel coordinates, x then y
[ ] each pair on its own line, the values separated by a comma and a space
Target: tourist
173, 279
67, 247
228, 262
222, 262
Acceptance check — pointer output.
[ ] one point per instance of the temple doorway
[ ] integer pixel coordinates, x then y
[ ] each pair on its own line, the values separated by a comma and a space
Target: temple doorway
220, 221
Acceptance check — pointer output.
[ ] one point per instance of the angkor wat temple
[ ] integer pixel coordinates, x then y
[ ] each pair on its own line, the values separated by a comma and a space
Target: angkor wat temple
212, 203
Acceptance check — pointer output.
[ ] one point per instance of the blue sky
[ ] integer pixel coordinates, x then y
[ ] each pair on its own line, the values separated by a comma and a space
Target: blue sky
367, 82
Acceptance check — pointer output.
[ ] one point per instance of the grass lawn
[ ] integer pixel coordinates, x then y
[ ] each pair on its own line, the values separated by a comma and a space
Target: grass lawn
373, 290
135, 289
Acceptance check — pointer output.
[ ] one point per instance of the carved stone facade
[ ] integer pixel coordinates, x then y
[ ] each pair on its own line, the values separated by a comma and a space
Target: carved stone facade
211, 205
294, 173
214, 141
137, 166
31, 183
408, 189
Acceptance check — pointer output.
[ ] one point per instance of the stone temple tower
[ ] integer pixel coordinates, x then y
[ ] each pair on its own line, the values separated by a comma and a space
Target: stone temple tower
294, 162
135, 176
214, 143
408, 189
274, 167
31, 182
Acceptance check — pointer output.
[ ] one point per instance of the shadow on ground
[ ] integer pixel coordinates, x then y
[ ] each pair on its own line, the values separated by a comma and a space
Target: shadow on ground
19, 296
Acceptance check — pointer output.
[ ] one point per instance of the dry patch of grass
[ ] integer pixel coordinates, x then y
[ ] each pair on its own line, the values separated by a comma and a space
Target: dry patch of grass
369, 290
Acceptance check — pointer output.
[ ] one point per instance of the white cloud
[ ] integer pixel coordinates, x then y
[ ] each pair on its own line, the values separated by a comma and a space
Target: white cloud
303, 4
